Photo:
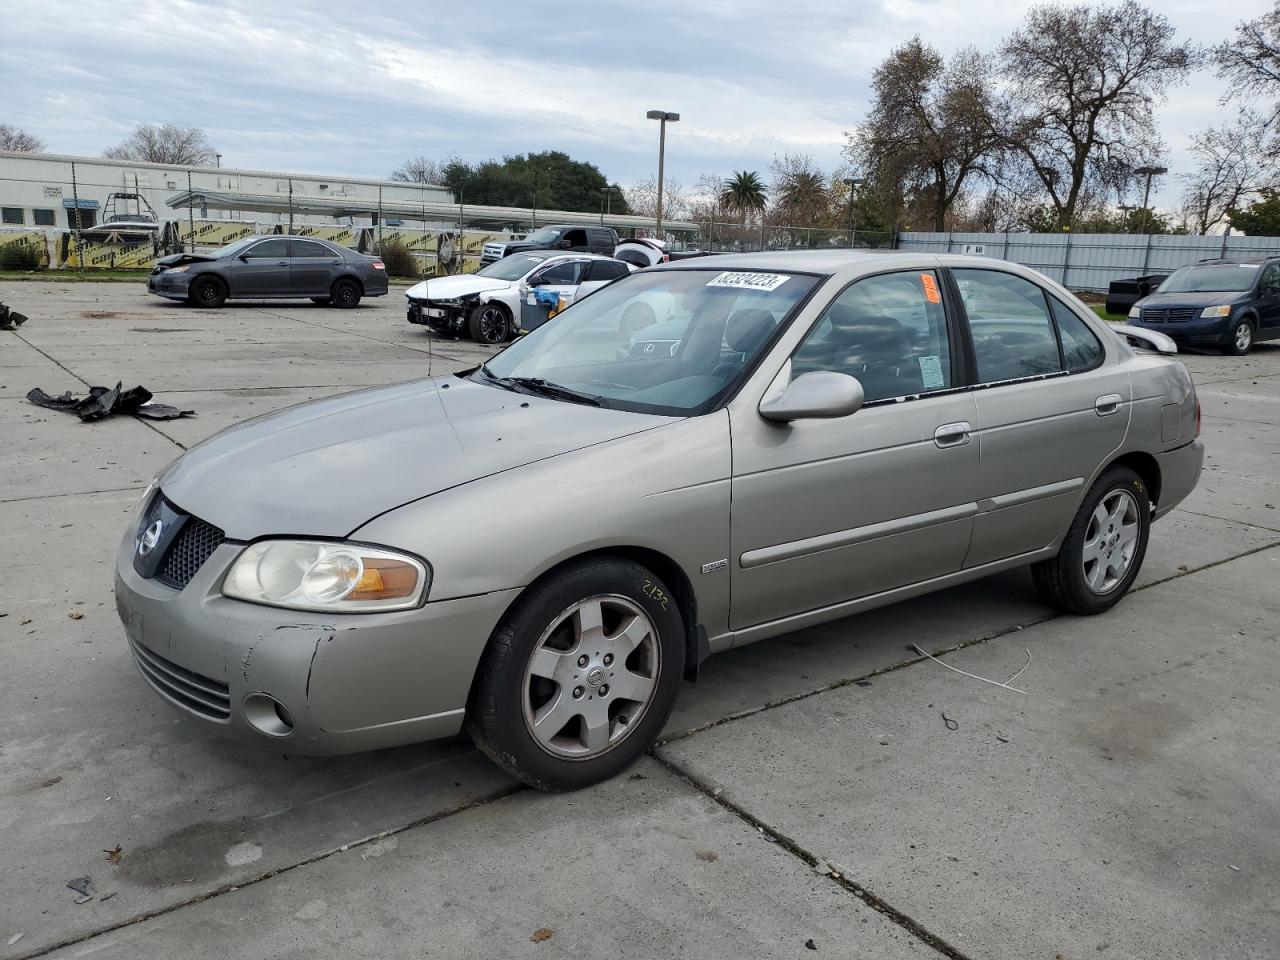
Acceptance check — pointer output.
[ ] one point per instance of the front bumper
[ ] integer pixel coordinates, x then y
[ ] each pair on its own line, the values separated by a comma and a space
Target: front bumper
1179, 473
346, 683
172, 286
1213, 331
441, 318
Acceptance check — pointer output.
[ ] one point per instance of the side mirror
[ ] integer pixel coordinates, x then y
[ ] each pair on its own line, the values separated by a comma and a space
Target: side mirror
1148, 339
823, 394
565, 244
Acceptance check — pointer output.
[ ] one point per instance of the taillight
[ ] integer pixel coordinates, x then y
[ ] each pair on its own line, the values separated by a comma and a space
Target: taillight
378, 265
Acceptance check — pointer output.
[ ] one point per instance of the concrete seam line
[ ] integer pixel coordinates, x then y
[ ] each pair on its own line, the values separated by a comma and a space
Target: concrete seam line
1243, 523
74, 493
269, 874
365, 336
810, 860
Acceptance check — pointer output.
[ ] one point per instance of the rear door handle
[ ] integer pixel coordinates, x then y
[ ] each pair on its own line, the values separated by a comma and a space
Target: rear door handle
952, 434
1106, 405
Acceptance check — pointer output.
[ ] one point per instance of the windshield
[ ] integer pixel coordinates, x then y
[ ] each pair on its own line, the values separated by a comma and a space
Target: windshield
513, 267
231, 248
543, 235
1211, 278
672, 342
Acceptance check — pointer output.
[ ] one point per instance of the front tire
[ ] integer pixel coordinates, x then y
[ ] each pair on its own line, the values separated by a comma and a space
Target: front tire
345, 293
1104, 547
207, 292
580, 675
1241, 339
489, 323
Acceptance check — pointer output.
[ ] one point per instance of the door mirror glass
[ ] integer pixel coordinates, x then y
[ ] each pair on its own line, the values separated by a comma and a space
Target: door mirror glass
823, 394
564, 244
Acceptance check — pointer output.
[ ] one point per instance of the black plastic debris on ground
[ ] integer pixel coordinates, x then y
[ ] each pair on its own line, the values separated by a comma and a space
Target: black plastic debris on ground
105, 402
11, 319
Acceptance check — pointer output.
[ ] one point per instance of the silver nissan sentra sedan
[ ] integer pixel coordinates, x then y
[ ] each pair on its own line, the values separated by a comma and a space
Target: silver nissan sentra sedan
540, 548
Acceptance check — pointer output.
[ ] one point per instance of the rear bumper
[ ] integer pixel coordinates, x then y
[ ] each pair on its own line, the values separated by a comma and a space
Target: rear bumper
1179, 473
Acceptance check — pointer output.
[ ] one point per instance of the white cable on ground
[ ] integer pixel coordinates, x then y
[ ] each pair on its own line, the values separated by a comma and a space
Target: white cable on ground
974, 676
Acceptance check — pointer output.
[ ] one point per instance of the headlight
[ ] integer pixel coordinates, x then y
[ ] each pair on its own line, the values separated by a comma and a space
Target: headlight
1220, 311
1135, 313
337, 577
182, 269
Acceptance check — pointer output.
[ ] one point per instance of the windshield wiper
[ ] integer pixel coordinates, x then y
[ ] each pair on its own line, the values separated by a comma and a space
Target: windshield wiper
554, 390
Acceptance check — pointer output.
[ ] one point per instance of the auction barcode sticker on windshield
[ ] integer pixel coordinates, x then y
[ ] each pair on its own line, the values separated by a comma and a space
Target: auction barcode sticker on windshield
749, 281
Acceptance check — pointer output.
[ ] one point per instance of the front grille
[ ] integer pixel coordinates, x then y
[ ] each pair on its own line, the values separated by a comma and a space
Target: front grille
193, 545
1169, 314
202, 696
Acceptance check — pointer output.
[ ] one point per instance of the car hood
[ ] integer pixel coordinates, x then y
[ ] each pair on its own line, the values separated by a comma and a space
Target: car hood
451, 288
175, 259
1210, 299
327, 467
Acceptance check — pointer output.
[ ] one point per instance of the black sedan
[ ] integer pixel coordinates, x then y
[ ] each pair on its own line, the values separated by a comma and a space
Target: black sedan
1229, 304
258, 268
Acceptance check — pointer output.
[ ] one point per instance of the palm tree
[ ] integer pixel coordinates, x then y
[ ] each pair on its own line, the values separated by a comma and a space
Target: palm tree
805, 193
744, 193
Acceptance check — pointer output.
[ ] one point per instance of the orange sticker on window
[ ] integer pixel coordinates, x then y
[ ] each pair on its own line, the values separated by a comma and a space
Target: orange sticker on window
930, 288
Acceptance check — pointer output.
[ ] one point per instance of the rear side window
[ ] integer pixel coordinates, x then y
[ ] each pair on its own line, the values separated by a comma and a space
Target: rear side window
888, 331
1013, 334
1081, 349
309, 248
607, 270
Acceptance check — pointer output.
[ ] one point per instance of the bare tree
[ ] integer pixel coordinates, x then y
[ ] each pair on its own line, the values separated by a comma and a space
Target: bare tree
1084, 81
165, 143
11, 138
421, 170
642, 198
1231, 166
1250, 62
931, 126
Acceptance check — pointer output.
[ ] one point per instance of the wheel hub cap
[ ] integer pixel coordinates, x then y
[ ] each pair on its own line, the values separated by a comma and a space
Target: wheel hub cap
1111, 541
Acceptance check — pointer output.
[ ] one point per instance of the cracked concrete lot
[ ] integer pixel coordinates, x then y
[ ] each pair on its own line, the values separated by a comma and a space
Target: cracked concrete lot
807, 799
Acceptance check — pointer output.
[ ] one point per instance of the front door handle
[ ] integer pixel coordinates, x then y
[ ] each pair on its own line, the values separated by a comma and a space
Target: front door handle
1106, 405
952, 434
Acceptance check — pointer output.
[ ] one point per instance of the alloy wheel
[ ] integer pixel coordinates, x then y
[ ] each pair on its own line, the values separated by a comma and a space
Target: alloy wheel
1110, 541
493, 325
591, 677
1244, 337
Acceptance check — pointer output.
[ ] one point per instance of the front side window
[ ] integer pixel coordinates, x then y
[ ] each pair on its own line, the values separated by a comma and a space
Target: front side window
275, 248
1270, 281
670, 341
559, 274
1013, 334
888, 331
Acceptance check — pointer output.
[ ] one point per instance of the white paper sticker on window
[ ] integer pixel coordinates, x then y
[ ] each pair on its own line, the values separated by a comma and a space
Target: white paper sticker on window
749, 281
931, 372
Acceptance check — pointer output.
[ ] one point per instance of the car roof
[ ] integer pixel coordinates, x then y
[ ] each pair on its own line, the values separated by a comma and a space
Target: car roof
1231, 261
812, 261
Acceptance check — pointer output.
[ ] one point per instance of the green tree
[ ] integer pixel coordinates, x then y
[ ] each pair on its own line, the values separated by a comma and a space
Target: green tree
744, 193
1261, 218
549, 181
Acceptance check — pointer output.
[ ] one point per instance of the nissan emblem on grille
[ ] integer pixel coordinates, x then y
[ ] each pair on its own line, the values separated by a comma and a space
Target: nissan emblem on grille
150, 537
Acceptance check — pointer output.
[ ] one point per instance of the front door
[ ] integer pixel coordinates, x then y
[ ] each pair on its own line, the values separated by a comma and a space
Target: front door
312, 268
1050, 412
262, 270
825, 511
1269, 301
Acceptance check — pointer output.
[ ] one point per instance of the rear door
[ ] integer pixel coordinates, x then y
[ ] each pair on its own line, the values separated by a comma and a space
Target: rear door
312, 268
262, 270
1050, 410
826, 511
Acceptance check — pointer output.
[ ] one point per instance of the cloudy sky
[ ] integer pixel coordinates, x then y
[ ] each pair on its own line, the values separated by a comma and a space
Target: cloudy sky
329, 87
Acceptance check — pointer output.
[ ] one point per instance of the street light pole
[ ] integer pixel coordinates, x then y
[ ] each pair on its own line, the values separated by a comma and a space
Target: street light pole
663, 117
853, 183
1127, 208
1149, 172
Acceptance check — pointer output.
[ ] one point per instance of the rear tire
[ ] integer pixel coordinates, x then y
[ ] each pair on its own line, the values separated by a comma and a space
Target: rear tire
345, 293
489, 323
1241, 339
207, 292
1103, 549
580, 675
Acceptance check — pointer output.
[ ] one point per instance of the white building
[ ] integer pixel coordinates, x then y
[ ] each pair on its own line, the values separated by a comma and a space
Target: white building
43, 190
